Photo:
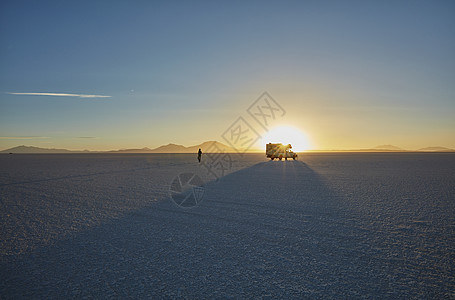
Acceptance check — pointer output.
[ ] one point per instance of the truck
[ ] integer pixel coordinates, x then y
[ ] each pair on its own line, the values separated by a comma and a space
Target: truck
279, 151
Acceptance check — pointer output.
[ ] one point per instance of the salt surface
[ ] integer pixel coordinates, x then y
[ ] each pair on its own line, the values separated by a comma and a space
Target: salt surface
329, 225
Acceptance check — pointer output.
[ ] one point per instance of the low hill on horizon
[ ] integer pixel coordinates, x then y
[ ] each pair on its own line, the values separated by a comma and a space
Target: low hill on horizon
436, 149
388, 148
32, 149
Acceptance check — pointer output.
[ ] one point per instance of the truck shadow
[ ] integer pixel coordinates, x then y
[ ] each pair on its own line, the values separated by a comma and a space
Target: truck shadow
273, 229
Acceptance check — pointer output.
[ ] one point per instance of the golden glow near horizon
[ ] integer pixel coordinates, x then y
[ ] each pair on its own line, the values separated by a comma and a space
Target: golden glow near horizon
287, 134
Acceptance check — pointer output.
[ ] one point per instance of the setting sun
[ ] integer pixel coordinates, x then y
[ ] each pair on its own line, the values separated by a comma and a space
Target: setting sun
287, 135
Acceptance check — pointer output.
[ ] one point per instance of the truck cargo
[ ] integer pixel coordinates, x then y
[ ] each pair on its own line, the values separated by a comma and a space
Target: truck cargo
279, 151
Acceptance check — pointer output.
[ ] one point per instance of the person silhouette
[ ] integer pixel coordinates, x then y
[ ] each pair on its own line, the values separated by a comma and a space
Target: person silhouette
199, 154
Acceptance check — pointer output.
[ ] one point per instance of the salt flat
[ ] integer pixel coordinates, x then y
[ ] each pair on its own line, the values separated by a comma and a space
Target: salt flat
328, 225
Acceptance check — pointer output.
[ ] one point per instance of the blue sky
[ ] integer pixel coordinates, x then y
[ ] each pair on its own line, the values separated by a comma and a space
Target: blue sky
350, 74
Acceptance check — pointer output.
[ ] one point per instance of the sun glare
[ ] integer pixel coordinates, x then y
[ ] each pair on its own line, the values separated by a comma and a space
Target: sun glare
286, 135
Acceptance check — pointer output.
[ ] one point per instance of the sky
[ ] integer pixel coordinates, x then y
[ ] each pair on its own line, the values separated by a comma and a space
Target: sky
103, 75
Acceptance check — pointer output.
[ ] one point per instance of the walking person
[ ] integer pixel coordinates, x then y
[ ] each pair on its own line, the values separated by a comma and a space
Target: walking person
199, 154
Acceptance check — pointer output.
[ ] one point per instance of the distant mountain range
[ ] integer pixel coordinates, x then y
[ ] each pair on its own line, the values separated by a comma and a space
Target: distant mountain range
174, 148
209, 146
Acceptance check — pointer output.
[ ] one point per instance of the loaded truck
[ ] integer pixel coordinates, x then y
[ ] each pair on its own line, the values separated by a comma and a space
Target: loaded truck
279, 151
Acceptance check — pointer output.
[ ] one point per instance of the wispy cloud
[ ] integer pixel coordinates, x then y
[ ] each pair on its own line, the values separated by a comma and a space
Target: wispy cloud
87, 137
23, 137
61, 95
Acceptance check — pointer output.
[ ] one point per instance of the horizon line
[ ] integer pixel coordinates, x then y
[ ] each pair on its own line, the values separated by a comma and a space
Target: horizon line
255, 150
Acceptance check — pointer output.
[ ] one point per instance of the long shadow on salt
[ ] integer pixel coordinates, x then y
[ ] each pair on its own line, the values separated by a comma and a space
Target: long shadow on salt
274, 229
